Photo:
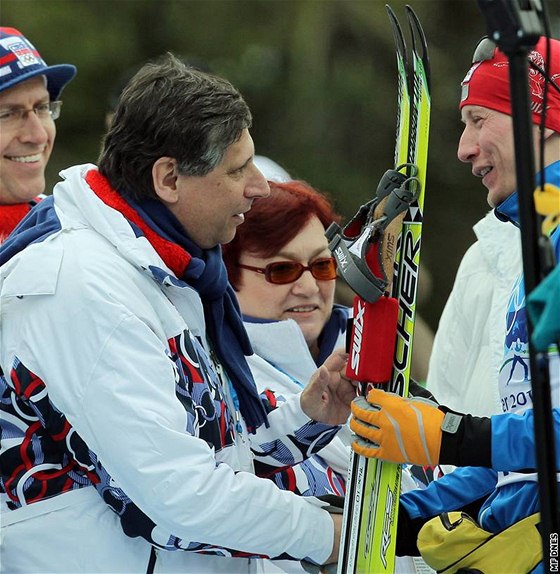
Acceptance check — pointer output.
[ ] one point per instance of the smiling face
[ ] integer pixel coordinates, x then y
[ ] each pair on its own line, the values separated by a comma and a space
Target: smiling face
487, 144
211, 207
26, 148
307, 301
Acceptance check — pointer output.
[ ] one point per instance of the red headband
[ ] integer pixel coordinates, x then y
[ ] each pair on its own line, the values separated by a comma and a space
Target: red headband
487, 84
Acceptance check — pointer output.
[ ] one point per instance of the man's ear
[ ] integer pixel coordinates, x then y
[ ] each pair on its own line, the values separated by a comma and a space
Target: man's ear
164, 177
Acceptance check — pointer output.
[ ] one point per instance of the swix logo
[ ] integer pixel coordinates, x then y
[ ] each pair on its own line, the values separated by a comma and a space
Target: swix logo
357, 336
341, 258
387, 523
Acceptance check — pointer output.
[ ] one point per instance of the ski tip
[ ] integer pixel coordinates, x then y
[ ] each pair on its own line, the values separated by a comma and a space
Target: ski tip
397, 33
419, 42
392, 17
416, 29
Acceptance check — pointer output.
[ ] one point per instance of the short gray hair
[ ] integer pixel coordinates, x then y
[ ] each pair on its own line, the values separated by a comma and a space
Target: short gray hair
170, 110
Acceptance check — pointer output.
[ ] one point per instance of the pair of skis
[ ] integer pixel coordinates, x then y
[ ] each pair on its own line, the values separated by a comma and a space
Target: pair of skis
371, 505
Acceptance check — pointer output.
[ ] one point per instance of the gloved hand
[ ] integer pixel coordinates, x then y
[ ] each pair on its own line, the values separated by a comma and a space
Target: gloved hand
397, 429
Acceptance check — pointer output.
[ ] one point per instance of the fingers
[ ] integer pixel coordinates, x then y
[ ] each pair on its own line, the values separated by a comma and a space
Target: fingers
365, 411
318, 379
313, 397
365, 448
374, 442
337, 360
364, 430
323, 376
381, 399
347, 393
347, 380
400, 430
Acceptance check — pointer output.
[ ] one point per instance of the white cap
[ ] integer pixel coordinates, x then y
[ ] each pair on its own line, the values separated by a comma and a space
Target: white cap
271, 170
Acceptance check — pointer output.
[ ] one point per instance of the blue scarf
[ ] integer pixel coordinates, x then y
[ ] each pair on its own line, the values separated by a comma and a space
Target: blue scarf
206, 273
337, 323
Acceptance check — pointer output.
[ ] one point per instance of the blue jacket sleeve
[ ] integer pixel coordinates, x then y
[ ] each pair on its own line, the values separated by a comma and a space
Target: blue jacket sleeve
513, 442
453, 491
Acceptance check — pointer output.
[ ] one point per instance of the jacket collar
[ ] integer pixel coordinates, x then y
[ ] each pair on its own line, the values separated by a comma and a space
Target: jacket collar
508, 210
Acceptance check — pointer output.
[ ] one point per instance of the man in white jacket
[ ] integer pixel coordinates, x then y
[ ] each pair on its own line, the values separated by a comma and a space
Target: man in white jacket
130, 418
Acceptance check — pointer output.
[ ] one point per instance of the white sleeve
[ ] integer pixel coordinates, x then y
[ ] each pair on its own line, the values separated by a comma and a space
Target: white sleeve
127, 412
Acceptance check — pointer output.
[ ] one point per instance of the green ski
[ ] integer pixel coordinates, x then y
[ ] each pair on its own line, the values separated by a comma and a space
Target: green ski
373, 488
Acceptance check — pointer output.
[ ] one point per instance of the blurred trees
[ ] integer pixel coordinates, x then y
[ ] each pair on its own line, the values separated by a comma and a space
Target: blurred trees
319, 76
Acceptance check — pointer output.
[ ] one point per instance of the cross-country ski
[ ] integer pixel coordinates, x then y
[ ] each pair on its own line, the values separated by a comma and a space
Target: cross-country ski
378, 255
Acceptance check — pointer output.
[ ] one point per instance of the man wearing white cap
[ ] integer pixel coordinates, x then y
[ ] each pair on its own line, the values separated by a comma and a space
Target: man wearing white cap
29, 92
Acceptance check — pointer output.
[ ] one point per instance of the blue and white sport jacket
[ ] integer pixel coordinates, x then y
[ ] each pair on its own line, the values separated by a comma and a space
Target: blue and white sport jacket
511, 484
286, 369
119, 433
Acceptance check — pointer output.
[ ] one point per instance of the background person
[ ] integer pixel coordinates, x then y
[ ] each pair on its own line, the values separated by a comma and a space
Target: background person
133, 416
283, 273
29, 93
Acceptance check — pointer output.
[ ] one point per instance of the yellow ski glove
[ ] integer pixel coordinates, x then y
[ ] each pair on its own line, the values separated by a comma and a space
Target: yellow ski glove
398, 429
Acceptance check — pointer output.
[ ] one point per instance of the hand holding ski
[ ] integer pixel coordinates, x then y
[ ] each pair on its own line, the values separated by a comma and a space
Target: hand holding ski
397, 429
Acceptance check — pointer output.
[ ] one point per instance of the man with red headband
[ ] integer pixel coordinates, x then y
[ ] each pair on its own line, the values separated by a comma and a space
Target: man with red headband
29, 104
467, 353
497, 483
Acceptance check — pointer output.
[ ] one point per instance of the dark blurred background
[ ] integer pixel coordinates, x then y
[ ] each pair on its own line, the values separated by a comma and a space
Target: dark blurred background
319, 76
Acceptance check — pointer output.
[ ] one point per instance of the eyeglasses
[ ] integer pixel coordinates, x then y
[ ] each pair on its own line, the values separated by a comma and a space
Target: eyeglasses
283, 272
14, 117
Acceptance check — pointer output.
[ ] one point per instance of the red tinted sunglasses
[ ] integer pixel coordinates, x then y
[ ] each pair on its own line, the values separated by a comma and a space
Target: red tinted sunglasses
283, 272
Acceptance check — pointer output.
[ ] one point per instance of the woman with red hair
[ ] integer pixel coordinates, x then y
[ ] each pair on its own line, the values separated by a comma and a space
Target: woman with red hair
282, 270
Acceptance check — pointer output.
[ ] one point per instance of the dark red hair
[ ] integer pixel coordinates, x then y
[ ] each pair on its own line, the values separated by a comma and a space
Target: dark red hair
275, 220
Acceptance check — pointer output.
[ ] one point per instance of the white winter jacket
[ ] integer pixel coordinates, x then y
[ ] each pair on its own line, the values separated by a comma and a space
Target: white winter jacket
86, 335
468, 347
286, 369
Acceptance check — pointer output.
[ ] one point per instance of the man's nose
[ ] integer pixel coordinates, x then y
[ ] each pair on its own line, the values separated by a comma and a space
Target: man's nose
468, 146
